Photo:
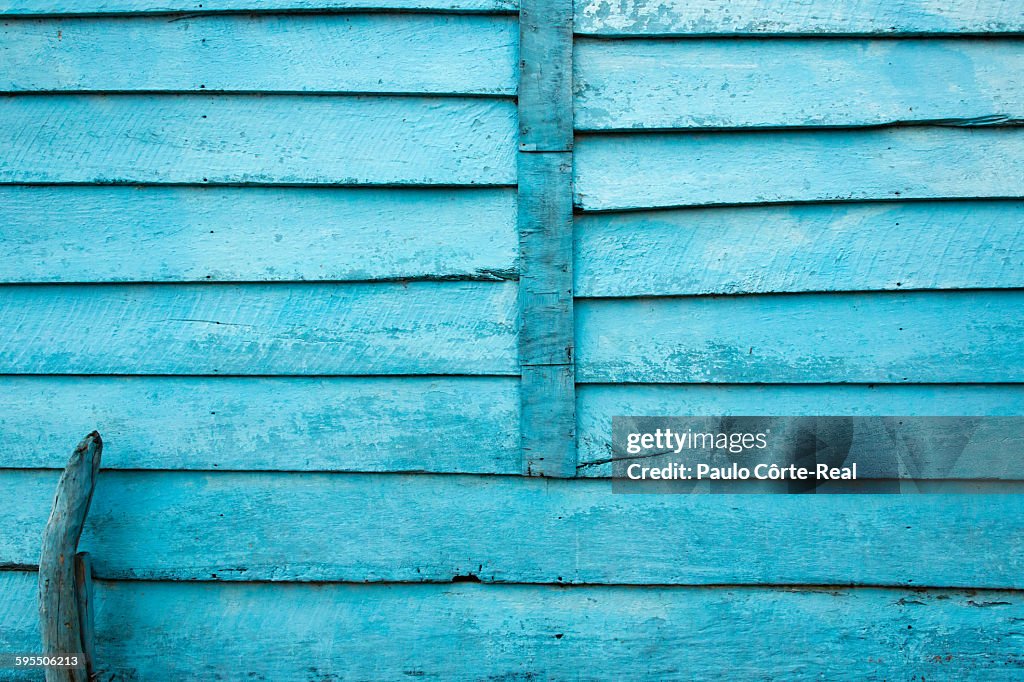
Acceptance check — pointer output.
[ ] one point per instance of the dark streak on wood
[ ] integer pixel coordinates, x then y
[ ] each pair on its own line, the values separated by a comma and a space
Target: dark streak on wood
61, 596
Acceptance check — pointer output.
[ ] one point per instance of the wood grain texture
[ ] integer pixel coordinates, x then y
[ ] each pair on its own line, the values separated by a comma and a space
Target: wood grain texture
401, 527
418, 328
598, 403
448, 632
788, 17
682, 169
546, 345
545, 75
396, 53
182, 234
249, 139
629, 84
60, 614
85, 595
926, 337
813, 247
66, 7
456, 424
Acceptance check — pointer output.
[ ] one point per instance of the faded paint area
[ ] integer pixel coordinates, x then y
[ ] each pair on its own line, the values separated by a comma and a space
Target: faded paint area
281, 259
800, 17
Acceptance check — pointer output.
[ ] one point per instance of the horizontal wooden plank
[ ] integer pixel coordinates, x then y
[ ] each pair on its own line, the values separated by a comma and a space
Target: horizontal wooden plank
812, 247
417, 328
181, 234
598, 403
788, 17
92, 7
924, 337
393, 53
419, 527
534, 632
249, 139
455, 424
663, 169
629, 84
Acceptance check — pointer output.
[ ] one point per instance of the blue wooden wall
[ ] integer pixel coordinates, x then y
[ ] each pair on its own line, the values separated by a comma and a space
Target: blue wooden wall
281, 259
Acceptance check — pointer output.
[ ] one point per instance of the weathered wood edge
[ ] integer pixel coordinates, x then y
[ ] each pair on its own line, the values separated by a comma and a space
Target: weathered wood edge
547, 391
60, 613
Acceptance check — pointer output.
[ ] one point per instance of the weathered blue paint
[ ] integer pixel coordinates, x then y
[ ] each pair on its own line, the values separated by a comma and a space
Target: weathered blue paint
598, 403
656, 170
134, 7
789, 17
383, 105
402, 527
359, 329
814, 247
779, 82
248, 139
250, 234
924, 337
375, 53
441, 424
445, 632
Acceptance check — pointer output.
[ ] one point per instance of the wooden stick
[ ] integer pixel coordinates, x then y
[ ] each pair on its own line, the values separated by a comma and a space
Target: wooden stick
59, 612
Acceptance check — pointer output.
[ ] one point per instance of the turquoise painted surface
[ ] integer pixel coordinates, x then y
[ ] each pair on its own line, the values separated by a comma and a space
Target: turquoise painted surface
249, 139
923, 337
442, 424
259, 329
46, 7
598, 403
183, 234
814, 247
267, 526
463, 632
389, 53
351, 442
800, 17
683, 169
728, 83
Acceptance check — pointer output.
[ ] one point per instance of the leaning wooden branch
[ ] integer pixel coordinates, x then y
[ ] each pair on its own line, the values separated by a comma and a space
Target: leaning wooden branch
61, 614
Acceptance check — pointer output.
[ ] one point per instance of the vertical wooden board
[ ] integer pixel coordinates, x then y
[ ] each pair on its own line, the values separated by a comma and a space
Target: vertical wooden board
714, 83
545, 75
812, 247
926, 337
178, 234
443, 424
804, 17
546, 314
654, 170
396, 53
260, 329
250, 139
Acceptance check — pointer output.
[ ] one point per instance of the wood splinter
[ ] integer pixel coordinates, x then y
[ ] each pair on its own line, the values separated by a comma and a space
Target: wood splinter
65, 577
